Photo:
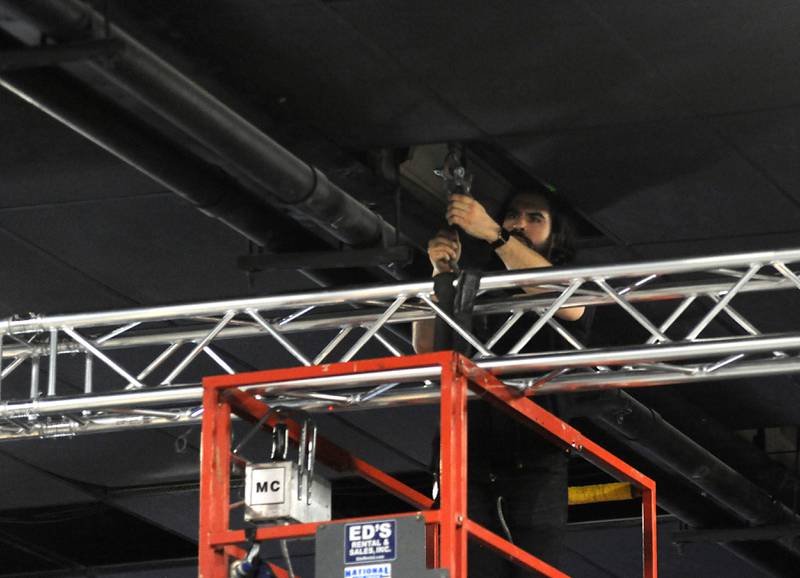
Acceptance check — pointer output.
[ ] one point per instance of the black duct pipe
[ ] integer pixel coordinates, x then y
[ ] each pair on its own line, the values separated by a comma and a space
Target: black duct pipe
678, 496
642, 429
245, 151
752, 462
209, 190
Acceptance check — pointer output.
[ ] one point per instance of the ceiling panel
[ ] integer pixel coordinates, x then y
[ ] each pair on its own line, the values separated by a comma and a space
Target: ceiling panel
26, 486
44, 162
737, 55
154, 249
659, 182
530, 66
315, 64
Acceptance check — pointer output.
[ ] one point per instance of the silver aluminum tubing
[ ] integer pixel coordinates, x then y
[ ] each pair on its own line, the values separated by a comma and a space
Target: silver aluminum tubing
388, 345
88, 372
631, 310
18, 360
91, 349
35, 363
508, 324
468, 337
630, 355
51, 366
209, 351
98, 426
165, 396
352, 319
344, 332
568, 337
372, 329
499, 366
250, 152
786, 272
545, 317
163, 356
722, 303
503, 280
673, 317
285, 343
199, 347
395, 398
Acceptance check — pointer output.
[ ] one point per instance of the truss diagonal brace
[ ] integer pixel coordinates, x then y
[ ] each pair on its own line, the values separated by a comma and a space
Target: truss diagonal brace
88, 346
722, 303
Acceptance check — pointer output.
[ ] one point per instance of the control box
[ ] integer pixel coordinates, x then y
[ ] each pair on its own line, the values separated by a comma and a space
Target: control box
277, 492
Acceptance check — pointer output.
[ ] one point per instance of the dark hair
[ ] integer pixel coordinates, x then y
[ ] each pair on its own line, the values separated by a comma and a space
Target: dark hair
561, 246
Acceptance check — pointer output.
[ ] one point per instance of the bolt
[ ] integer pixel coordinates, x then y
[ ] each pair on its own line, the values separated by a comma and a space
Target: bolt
459, 520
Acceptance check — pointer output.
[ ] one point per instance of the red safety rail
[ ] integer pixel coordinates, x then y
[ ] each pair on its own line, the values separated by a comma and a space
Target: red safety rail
449, 528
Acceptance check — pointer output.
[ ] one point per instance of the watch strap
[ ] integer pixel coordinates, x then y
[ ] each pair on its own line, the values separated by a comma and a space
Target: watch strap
502, 239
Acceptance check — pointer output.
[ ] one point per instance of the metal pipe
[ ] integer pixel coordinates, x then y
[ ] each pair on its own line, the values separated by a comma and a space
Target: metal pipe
722, 303
35, 362
673, 317
88, 372
545, 317
468, 337
508, 324
162, 357
246, 150
218, 360
631, 310
199, 347
210, 191
375, 327
563, 384
2, 340
332, 345
90, 348
640, 428
383, 292
99, 402
51, 367
285, 343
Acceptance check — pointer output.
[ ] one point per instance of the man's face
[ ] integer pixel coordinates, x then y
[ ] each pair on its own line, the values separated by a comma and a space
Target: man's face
528, 219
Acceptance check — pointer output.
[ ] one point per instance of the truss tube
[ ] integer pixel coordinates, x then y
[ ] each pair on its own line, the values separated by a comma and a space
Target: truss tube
138, 398
565, 383
722, 303
348, 320
386, 292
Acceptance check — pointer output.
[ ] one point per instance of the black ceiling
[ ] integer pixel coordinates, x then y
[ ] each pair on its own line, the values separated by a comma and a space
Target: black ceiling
671, 128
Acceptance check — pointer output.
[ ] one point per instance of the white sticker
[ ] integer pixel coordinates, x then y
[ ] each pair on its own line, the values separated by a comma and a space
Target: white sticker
267, 486
369, 571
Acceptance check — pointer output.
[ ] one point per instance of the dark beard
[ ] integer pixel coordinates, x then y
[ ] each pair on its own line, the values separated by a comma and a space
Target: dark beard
519, 235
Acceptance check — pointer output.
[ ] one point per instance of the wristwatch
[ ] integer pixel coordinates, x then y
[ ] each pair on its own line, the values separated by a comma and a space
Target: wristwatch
502, 239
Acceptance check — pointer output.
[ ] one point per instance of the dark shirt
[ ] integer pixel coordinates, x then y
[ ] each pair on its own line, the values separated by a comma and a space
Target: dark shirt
498, 444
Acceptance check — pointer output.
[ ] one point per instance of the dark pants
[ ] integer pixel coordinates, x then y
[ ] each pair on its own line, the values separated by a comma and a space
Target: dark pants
509, 460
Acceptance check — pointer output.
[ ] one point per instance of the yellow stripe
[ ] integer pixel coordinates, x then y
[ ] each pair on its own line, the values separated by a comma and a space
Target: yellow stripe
600, 493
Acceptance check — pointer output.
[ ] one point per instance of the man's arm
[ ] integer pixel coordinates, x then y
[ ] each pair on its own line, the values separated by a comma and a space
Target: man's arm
444, 251
471, 216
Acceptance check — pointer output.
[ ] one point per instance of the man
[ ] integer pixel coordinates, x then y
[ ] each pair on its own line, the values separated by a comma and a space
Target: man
517, 481
534, 234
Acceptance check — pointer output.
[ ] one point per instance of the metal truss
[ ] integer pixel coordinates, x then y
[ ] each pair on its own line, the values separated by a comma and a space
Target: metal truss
169, 342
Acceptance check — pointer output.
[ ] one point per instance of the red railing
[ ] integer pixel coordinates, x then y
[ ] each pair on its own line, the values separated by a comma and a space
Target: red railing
449, 528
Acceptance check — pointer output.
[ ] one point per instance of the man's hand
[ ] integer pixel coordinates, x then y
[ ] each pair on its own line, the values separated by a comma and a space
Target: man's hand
470, 215
444, 251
